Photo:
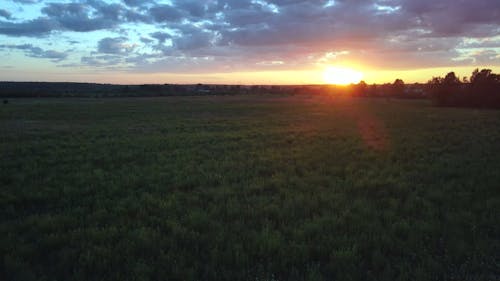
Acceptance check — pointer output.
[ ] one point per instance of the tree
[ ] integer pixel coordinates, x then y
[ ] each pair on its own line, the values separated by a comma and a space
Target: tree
485, 76
444, 91
398, 87
484, 89
373, 90
451, 79
360, 88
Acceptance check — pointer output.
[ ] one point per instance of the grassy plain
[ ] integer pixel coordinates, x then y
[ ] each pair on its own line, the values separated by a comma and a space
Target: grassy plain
248, 188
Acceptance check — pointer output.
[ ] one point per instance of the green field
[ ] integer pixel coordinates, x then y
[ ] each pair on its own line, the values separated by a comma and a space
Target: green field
248, 188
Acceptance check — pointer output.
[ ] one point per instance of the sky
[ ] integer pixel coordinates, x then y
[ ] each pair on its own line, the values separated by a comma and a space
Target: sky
245, 41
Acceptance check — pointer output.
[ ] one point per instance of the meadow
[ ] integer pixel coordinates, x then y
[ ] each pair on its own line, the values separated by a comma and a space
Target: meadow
248, 188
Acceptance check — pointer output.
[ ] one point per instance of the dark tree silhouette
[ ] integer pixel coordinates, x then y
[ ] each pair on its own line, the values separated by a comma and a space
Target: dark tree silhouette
444, 91
360, 88
481, 90
398, 88
372, 90
484, 89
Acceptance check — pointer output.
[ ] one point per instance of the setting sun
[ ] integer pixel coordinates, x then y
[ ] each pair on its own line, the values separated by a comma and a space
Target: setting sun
341, 76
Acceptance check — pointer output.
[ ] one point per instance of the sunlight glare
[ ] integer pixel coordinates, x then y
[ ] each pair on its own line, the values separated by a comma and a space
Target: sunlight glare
341, 76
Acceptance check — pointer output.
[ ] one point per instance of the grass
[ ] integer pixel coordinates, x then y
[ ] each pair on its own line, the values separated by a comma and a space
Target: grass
248, 188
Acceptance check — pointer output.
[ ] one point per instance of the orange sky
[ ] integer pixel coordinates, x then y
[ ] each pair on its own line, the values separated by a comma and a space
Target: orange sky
285, 77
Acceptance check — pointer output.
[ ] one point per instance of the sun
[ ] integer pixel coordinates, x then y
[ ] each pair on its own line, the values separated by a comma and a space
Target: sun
341, 76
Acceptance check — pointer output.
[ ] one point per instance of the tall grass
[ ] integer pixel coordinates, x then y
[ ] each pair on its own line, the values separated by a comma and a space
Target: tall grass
248, 188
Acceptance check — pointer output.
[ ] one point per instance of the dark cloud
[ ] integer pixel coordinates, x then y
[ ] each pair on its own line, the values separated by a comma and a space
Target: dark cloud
137, 3
5, 14
452, 18
486, 57
195, 40
487, 43
37, 52
81, 17
277, 19
84, 16
36, 27
116, 46
161, 36
165, 13
146, 40
27, 1
102, 60
194, 8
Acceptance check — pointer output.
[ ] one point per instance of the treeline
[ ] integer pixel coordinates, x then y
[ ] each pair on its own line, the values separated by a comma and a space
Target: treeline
397, 89
481, 90
86, 90
56, 89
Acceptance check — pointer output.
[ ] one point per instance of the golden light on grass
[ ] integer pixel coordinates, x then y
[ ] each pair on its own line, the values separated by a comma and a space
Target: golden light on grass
341, 76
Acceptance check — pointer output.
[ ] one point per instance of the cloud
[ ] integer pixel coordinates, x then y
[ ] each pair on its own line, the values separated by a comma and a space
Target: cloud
161, 36
116, 46
84, 16
165, 13
146, 40
136, 3
485, 43
5, 14
37, 52
102, 60
27, 1
80, 17
194, 8
36, 27
486, 57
